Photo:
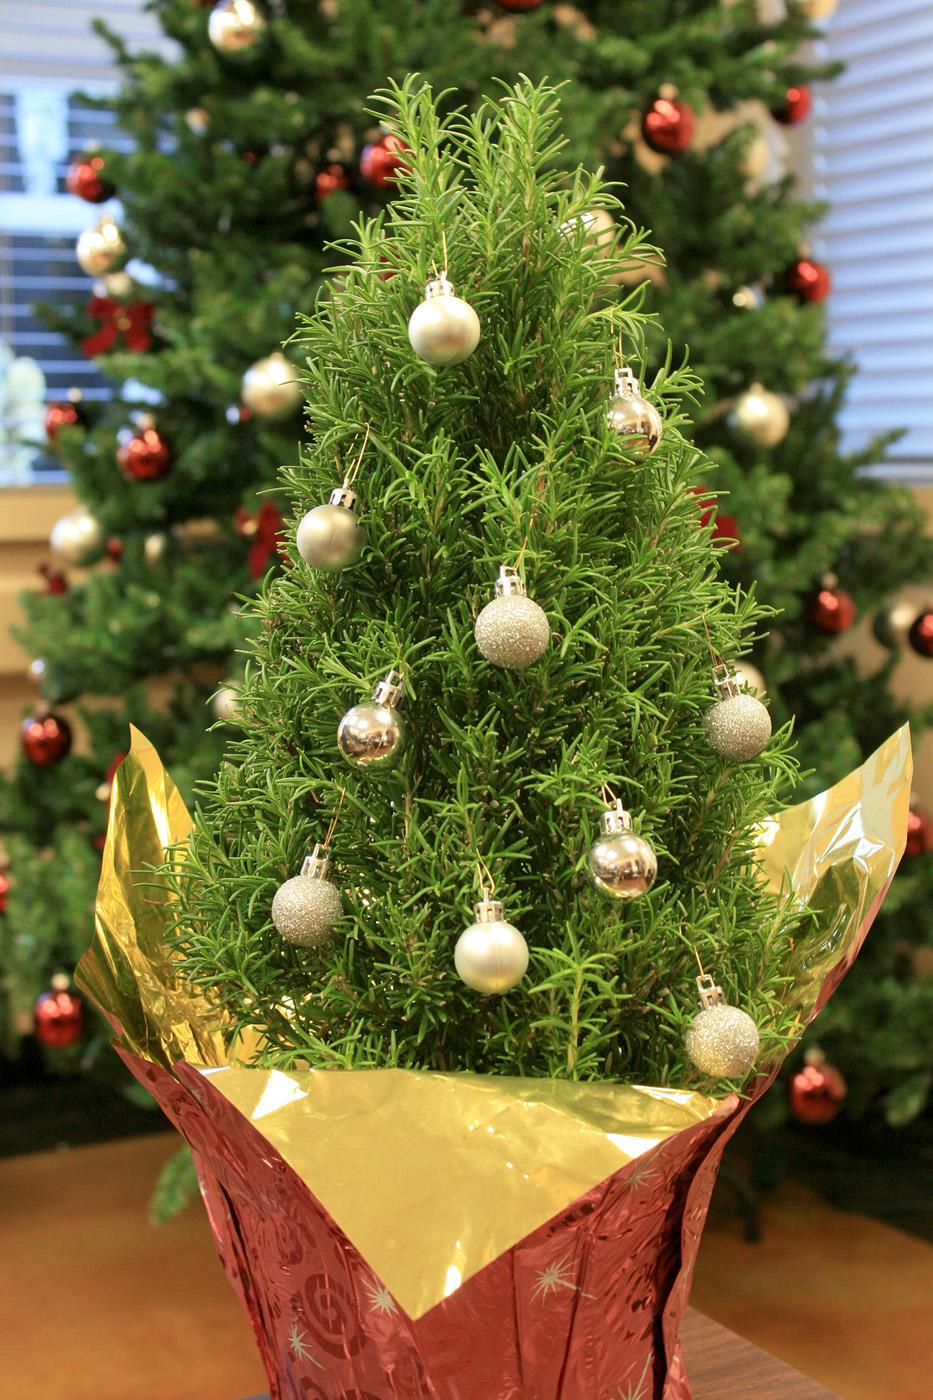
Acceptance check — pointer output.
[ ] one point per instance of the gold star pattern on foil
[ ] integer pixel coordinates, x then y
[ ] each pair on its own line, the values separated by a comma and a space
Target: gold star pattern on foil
298, 1347
554, 1277
644, 1173
380, 1297
636, 1391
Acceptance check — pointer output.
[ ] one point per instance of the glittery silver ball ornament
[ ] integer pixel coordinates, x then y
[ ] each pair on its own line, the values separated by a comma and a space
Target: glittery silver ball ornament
236, 28
738, 726
375, 732
512, 631
491, 955
760, 416
638, 423
306, 907
101, 249
444, 329
270, 387
722, 1041
330, 537
78, 538
620, 863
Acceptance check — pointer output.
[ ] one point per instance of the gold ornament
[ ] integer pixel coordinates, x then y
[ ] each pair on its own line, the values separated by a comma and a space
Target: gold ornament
760, 416
154, 547
197, 120
818, 9
270, 387
749, 298
226, 704
599, 229
722, 1041
236, 27
78, 538
637, 422
375, 732
620, 863
306, 907
330, 537
512, 631
749, 677
738, 726
491, 955
101, 248
444, 329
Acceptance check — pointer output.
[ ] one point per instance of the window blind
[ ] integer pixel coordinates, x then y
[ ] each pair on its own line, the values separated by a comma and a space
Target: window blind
872, 161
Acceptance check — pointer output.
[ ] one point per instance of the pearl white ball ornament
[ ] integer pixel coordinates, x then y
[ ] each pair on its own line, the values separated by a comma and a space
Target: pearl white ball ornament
760, 416
373, 733
270, 387
444, 329
101, 249
330, 537
306, 907
722, 1041
738, 725
620, 863
226, 704
236, 27
491, 955
638, 423
512, 631
78, 538
749, 678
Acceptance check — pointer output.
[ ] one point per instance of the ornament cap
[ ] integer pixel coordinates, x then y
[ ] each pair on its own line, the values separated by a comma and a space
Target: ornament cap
389, 691
510, 582
317, 864
616, 821
343, 496
439, 286
489, 911
725, 680
626, 383
710, 994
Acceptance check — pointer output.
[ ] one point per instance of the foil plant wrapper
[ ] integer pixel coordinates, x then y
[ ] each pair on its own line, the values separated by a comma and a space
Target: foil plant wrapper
405, 1235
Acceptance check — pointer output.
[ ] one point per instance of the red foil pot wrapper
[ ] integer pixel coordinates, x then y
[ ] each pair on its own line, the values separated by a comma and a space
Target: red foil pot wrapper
406, 1235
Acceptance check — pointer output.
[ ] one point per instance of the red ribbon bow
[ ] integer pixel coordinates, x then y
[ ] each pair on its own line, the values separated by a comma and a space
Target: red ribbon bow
263, 532
131, 320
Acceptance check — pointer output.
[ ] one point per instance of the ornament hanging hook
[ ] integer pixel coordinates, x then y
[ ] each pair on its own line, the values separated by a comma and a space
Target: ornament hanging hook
333, 821
354, 470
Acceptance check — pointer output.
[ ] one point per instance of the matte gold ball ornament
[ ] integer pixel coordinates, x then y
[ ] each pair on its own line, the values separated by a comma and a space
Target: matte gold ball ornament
491, 955
638, 423
236, 28
78, 538
443, 329
738, 725
373, 733
512, 631
722, 1040
270, 387
330, 537
760, 416
306, 907
101, 248
621, 864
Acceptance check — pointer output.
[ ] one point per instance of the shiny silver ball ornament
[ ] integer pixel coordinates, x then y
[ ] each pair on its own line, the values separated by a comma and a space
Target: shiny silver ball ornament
270, 387
225, 705
722, 1041
101, 249
444, 329
375, 732
760, 416
330, 537
78, 538
491, 955
512, 631
620, 863
738, 726
306, 907
236, 28
638, 423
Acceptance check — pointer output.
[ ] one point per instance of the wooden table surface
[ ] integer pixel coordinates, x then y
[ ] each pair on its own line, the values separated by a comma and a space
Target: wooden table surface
722, 1366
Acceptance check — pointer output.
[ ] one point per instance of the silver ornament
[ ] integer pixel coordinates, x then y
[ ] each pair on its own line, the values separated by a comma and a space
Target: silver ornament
620, 863
101, 249
306, 907
330, 537
235, 27
760, 416
444, 329
226, 704
749, 677
722, 1041
270, 387
638, 423
154, 546
512, 630
738, 726
197, 120
748, 298
491, 955
78, 537
373, 733
598, 228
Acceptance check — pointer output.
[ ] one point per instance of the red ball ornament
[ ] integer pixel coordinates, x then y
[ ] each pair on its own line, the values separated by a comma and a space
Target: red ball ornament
331, 178
808, 280
724, 527
85, 179
46, 739
919, 833
831, 610
59, 1016
55, 580
816, 1092
920, 635
798, 101
382, 159
668, 125
145, 456
4, 890
62, 415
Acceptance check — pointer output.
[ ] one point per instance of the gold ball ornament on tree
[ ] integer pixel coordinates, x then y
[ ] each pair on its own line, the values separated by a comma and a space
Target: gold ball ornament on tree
491, 955
637, 422
306, 907
102, 248
236, 28
443, 329
374, 733
722, 1040
78, 538
330, 537
818, 9
270, 388
512, 631
225, 704
621, 864
760, 416
738, 725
